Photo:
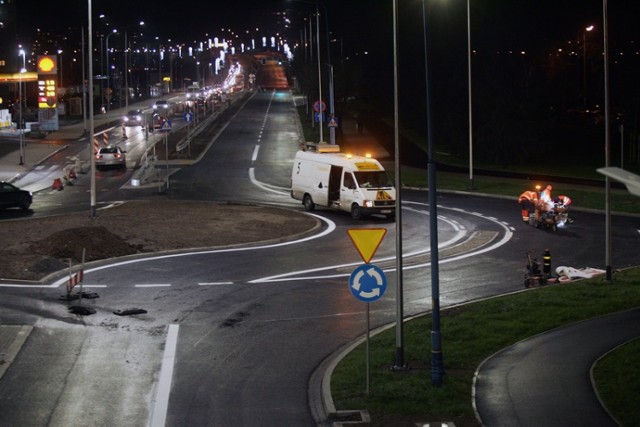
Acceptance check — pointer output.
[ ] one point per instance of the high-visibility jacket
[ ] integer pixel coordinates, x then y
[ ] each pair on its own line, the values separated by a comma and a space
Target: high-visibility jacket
531, 196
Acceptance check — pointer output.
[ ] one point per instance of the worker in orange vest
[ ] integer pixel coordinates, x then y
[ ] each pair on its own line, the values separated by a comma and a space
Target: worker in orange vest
528, 201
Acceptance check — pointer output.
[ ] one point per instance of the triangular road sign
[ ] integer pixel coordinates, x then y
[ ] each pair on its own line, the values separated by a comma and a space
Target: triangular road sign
367, 240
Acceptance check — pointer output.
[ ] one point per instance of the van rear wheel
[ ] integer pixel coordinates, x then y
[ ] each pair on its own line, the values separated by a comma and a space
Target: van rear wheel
307, 201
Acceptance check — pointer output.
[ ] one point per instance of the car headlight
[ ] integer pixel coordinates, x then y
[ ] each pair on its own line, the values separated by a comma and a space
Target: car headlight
368, 203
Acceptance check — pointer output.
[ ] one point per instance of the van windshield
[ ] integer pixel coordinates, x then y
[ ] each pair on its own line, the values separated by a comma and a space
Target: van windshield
373, 179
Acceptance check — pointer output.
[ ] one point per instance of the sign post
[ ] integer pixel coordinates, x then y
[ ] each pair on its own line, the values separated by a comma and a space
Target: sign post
368, 282
165, 129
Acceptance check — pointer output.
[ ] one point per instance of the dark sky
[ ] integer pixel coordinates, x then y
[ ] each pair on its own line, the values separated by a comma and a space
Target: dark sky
494, 23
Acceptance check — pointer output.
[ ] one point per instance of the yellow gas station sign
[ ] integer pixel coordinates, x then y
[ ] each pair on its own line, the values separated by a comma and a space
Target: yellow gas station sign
47, 74
47, 64
367, 240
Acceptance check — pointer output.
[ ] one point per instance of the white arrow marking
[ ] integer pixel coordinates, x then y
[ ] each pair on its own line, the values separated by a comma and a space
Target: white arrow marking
372, 294
374, 273
356, 281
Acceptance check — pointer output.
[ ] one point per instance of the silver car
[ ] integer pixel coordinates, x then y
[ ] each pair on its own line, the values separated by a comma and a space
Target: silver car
111, 156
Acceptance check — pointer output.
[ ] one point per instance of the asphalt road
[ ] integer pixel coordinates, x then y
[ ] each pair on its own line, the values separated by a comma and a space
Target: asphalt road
252, 324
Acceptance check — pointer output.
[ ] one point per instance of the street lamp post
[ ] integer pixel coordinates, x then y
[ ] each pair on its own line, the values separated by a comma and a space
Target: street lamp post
61, 77
106, 40
21, 131
607, 132
91, 118
126, 66
584, 64
471, 186
320, 112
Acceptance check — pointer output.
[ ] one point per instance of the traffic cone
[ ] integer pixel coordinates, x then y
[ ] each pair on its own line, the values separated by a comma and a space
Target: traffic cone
57, 184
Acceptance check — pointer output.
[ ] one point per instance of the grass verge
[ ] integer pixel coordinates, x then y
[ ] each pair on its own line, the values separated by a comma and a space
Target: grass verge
472, 333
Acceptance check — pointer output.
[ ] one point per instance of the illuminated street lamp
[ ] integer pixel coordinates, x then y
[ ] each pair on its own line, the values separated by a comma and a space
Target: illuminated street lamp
21, 131
61, 82
126, 65
106, 40
471, 186
584, 62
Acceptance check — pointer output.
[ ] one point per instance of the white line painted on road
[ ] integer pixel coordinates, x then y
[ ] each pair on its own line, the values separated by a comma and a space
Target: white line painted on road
153, 285
255, 153
267, 187
331, 226
214, 283
161, 404
300, 275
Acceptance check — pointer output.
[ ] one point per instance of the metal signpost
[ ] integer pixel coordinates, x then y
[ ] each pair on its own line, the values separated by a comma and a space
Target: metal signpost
368, 282
166, 128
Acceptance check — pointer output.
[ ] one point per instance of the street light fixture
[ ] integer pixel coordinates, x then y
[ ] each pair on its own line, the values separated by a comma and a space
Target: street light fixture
584, 61
126, 65
471, 186
21, 131
320, 110
107, 62
61, 79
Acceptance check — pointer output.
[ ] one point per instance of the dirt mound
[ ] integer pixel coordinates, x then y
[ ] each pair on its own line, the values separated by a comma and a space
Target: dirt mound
70, 243
33, 248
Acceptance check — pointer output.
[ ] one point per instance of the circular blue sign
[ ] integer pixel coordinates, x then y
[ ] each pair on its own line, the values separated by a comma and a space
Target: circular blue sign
368, 283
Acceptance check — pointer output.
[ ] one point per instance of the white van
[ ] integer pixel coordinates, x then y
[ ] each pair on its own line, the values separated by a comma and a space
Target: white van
355, 184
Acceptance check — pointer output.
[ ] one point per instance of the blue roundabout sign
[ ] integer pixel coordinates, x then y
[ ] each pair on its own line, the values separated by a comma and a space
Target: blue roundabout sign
368, 283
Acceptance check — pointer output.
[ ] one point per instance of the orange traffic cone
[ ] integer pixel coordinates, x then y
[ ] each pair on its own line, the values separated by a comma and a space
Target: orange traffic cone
57, 184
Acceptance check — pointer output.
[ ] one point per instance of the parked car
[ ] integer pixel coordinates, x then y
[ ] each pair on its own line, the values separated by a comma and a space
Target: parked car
13, 197
111, 155
133, 118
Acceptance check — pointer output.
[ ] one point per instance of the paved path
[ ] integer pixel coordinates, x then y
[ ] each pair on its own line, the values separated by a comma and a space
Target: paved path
546, 380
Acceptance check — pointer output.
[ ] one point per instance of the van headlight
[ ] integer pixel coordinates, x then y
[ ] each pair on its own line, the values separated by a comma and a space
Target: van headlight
368, 203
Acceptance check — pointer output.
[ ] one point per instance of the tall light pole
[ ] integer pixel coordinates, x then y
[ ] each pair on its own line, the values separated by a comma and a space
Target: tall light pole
471, 186
399, 363
91, 118
437, 368
106, 40
321, 112
61, 79
126, 66
584, 64
607, 151
22, 70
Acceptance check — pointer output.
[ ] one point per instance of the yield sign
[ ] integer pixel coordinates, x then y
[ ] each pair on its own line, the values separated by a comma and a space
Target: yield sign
367, 240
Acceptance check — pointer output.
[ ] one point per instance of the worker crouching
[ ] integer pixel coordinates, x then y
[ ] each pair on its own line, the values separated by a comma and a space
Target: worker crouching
528, 202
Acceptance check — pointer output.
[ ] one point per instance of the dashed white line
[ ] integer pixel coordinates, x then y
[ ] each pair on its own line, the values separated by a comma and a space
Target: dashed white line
214, 283
153, 285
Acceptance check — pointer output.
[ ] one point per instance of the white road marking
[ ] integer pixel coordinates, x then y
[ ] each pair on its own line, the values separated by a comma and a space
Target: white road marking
214, 283
255, 153
153, 285
161, 403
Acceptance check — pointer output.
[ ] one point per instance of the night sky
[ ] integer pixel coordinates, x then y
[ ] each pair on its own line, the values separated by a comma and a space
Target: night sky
499, 23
